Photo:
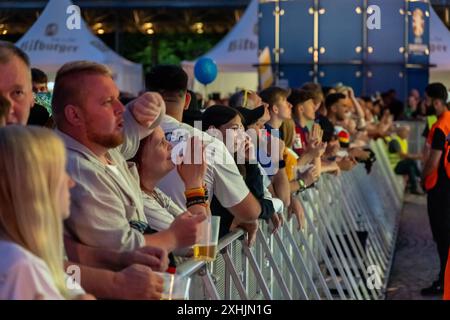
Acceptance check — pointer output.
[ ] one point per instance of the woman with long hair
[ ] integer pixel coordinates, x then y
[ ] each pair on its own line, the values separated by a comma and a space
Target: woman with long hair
34, 201
226, 123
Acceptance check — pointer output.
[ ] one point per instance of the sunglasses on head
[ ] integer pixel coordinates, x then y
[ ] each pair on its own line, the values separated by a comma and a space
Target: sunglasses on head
246, 95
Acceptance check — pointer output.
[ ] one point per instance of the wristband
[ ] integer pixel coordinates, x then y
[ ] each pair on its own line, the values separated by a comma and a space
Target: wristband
196, 192
197, 201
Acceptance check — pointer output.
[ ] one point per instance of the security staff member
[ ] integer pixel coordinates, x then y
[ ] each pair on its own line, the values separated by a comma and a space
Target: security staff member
431, 92
437, 184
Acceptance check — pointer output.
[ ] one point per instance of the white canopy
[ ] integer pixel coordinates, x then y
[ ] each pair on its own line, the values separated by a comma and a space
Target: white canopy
235, 55
50, 43
439, 50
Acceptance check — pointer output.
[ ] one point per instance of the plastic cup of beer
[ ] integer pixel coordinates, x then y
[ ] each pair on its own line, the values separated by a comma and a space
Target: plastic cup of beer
206, 247
175, 286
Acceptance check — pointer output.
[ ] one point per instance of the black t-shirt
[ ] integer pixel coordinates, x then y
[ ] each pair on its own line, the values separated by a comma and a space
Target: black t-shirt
327, 127
438, 143
426, 132
254, 181
38, 115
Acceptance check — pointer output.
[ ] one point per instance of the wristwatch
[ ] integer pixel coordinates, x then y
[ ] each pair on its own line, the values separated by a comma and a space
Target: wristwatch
301, 184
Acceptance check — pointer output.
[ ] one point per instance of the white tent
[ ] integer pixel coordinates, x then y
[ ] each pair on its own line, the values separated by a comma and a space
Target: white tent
235, 55
439, 50
50, 43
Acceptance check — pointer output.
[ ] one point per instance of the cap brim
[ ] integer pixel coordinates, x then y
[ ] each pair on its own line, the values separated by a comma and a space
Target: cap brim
251, 116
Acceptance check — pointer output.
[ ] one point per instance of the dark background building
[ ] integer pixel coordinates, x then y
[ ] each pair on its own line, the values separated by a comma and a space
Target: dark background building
147, 31
150, 31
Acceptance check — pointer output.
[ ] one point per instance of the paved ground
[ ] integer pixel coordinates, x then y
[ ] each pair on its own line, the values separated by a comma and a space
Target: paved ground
416, 262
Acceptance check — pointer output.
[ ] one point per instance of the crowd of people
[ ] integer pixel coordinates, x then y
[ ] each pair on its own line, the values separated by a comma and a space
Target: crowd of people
117, 187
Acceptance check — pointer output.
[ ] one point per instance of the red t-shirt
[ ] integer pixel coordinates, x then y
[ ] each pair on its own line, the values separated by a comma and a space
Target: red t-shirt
300, 139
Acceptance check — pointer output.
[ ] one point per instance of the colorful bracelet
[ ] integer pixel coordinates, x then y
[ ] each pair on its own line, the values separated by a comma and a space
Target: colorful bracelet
196, 192
197, 201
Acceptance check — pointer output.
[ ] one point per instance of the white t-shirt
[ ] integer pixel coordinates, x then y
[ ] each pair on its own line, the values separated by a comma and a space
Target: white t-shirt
160, 212
23, 275
222, 176
278, 205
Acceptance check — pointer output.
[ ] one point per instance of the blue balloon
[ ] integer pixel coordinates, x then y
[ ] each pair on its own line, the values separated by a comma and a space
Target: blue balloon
205, 70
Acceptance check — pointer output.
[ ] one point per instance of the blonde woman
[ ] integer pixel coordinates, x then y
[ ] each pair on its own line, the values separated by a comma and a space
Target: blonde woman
34, 200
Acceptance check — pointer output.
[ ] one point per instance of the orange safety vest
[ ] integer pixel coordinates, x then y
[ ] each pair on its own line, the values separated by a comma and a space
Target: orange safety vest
443, 123
447, 279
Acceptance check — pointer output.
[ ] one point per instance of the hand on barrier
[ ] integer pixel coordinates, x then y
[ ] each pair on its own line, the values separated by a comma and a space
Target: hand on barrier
347, 164
296, 209
251, 228
276, 223
153, 257
310, 176
359, 154
138, 282
281, 218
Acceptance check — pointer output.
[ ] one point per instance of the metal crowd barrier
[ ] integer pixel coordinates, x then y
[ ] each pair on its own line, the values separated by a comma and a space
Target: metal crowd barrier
344, 251
416, 141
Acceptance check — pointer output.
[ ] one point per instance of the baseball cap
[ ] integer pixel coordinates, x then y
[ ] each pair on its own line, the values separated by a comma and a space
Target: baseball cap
251, 115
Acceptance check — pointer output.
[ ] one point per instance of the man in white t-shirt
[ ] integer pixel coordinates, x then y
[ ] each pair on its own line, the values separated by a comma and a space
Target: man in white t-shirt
222, 177
100, 134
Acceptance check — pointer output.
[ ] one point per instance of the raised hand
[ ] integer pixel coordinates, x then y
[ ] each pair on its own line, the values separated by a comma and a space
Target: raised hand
192, 167
147, 108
